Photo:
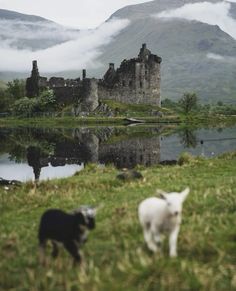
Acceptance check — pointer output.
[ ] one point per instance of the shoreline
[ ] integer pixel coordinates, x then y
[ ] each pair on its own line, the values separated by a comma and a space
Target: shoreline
122, 120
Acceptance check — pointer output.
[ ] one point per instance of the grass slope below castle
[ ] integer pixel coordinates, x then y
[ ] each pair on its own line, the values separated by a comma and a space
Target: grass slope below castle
115, 255
116, 113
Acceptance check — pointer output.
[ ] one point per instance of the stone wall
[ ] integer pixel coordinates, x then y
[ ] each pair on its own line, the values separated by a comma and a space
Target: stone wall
136, 81
66, 95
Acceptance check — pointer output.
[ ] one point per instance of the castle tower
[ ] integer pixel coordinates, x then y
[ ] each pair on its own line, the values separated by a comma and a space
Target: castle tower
144, 52
84, 73
35, 71
32, 83
90, 95
147, 77
136, 81
110, 75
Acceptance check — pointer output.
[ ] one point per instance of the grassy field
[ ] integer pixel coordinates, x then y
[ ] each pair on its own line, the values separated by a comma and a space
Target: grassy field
115, 255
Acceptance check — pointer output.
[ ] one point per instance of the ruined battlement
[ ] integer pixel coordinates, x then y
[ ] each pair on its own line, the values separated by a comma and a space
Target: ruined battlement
136, 81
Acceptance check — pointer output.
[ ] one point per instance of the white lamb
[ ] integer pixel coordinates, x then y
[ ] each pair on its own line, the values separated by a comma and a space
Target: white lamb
162, 216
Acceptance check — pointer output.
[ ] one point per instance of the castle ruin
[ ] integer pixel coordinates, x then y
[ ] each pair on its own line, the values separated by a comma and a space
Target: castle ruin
136, 81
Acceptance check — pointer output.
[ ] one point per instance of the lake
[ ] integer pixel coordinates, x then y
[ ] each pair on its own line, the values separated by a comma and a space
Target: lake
42, 153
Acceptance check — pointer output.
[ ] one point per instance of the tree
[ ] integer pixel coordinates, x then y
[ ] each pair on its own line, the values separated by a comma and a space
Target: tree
188, 102
168, 103
188, 138
16, 89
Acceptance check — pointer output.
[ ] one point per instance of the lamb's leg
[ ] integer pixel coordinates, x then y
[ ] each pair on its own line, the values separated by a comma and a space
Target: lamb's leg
149, 240
158, 240
55, 250
173, 242
42, 246
71, 247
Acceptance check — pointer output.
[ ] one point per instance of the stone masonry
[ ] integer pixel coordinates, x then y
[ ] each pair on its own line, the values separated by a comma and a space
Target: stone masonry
136, 81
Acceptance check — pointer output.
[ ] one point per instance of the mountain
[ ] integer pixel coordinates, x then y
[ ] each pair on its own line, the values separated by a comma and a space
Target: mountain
12, 15
190, 50
196, 56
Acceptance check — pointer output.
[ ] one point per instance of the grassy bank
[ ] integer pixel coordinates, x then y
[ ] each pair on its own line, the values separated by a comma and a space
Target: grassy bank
78, 121
194, 120
116, 258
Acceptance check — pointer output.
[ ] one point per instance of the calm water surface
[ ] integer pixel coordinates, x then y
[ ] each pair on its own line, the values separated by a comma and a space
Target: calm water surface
34, 153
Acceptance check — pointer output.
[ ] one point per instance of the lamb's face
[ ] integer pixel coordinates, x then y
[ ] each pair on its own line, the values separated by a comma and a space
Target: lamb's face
90, 222
174, 202
89, 216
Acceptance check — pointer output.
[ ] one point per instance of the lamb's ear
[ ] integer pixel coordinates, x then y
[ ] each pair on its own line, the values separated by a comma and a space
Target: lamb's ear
163, 196
161, 193
95, 209
185, 193
92, 211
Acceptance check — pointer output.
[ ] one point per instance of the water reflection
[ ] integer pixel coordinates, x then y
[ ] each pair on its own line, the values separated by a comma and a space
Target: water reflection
188, 137
30, 153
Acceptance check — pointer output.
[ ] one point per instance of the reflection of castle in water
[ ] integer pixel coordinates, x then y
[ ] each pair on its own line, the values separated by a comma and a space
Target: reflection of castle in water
85, 147
132, 152
123, 147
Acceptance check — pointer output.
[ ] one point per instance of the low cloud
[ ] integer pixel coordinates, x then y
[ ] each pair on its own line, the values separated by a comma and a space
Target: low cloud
206, 12
18, 29
220, 58
80, 49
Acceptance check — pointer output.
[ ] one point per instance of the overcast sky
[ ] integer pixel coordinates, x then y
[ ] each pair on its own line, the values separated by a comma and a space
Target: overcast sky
76, 13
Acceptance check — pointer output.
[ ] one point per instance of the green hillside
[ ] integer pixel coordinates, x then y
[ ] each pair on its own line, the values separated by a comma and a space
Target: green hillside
2, 85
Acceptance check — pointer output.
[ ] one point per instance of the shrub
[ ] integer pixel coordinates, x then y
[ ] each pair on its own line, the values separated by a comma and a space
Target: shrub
25, 106
185, 158
46, 100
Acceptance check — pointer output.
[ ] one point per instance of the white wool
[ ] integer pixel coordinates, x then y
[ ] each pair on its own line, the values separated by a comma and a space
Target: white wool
162, 216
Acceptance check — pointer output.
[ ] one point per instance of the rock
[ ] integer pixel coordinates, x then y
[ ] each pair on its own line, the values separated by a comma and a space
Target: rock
129, 175
4, 182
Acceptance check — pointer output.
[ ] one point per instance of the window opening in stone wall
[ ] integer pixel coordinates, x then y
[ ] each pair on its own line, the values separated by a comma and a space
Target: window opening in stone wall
123, 83
130, 83
141, 158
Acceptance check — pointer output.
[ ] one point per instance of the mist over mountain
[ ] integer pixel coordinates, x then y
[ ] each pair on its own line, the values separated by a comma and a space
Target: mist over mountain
195, 39
31, 32
197, 56
57, 48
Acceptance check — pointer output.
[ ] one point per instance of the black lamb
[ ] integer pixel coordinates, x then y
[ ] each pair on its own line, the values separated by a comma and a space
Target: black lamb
68, 229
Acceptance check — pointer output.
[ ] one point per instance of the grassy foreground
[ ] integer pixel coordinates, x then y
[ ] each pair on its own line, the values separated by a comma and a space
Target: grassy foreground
115, 255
